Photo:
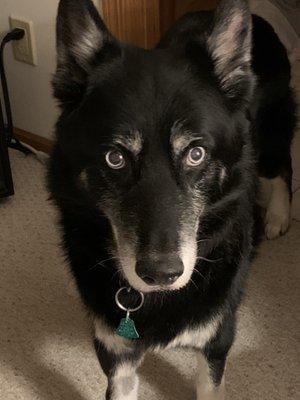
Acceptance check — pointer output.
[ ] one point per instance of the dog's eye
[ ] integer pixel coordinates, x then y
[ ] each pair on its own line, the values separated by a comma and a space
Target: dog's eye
115, 159
195, 156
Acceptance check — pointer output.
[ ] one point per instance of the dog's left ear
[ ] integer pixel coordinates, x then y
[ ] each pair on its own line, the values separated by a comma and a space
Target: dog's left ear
229, 44
83, 43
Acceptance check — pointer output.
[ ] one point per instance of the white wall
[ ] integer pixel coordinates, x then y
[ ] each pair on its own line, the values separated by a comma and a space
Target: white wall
34, 109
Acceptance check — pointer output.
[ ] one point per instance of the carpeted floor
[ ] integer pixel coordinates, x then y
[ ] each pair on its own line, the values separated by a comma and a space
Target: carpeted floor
45, 347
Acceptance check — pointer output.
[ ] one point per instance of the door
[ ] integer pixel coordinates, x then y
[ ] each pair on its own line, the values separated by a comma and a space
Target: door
142, 22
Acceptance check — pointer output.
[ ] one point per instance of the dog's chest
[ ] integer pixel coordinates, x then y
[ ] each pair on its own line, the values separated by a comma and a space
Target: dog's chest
196, 337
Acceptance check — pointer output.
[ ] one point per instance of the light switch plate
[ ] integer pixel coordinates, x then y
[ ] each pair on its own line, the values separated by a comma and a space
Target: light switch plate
24, 49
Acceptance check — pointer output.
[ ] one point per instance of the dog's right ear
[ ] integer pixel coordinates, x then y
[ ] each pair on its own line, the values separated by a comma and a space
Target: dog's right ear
229, 44
83, 43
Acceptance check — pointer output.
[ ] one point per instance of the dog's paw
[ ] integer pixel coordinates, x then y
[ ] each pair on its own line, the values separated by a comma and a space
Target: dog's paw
276, 224
278, 213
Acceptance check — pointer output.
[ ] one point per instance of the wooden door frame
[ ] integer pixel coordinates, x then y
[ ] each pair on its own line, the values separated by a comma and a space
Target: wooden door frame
119, 16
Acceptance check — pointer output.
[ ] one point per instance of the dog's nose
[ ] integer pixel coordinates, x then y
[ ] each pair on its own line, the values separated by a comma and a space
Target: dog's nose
161, 272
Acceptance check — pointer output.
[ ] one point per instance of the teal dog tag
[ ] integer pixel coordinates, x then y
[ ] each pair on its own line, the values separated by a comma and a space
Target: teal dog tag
127, 329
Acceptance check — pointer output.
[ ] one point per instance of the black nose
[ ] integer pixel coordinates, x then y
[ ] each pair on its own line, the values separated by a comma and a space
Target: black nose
159, 272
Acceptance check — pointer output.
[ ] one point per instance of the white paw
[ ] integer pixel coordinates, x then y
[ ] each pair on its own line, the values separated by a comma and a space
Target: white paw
276, 224
278, 214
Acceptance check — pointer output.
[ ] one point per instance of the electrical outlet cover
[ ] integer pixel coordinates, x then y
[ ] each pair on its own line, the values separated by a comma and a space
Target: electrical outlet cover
24, 49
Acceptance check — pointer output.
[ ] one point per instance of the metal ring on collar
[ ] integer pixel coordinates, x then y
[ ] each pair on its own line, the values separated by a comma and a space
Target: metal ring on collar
120, 305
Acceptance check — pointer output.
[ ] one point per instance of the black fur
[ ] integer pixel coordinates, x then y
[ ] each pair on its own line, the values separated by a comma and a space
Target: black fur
121, 87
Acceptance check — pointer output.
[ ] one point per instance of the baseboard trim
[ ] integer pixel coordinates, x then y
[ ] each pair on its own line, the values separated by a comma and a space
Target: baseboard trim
38, 142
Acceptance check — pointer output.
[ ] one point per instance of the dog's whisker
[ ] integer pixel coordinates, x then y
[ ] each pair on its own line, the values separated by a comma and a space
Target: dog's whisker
194, 284
202, 240
198, 272
117, 272
102, 263
208, 260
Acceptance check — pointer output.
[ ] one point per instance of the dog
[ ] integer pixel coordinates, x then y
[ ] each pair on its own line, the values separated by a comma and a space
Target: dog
156, 172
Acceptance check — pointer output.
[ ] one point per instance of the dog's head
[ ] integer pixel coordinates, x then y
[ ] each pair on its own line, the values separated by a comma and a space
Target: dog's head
154, 136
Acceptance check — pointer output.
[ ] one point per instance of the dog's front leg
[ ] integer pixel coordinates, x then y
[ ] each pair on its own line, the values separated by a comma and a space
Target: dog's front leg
210, 379
212, 361
120, 370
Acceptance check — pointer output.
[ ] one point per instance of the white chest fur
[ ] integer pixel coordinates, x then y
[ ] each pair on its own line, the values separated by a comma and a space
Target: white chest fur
196, 337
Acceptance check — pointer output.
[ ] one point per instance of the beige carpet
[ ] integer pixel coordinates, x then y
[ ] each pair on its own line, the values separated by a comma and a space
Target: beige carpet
45, 346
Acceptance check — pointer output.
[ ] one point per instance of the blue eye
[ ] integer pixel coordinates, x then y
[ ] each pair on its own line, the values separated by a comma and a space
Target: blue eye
195, 156
115, 159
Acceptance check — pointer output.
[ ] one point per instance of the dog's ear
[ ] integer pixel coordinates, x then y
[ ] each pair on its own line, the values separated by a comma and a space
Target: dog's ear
83, 42
230, 45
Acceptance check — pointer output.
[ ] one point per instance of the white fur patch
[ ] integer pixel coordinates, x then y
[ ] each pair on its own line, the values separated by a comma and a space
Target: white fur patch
132, 142
206, 389
181, 138
181, 141
188, 247
125, 382
88, 43
224, 44
110, 339
223, 175
83, 178
278, 214
199, 336
188, 255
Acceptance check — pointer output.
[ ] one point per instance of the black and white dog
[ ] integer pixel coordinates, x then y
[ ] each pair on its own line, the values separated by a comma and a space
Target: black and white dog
155, 173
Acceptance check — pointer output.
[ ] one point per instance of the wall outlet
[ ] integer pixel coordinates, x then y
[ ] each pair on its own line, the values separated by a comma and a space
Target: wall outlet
24, 49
